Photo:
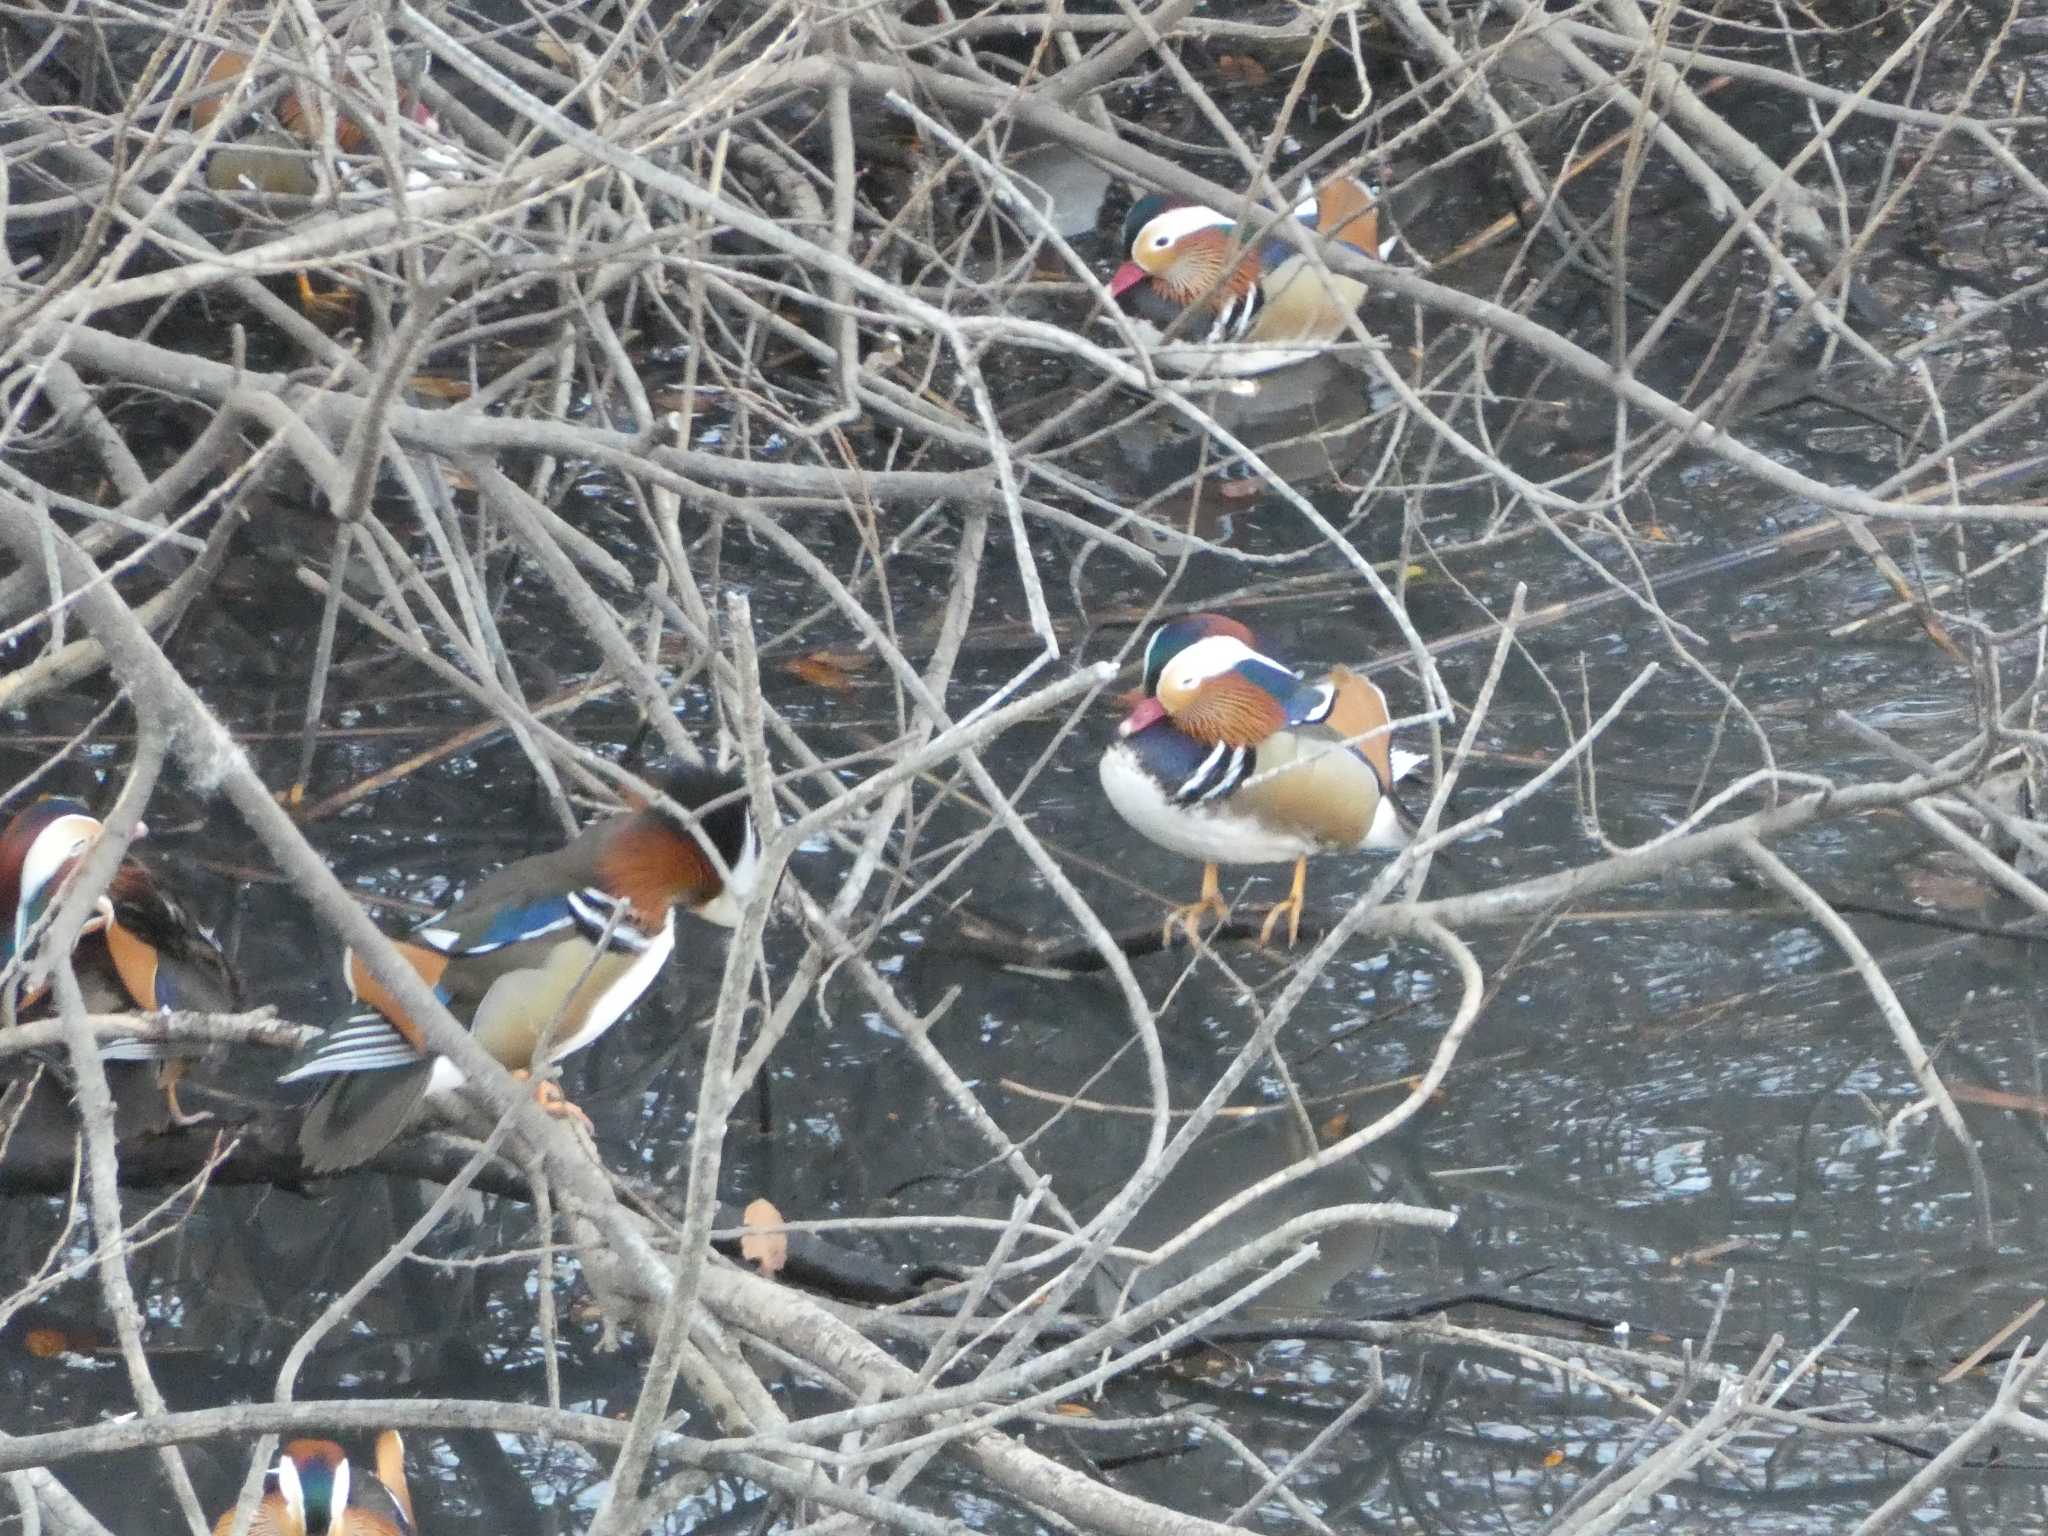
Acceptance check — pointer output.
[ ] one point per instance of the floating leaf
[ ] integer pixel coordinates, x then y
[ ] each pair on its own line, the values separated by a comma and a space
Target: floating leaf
835, 670
1947, 893
767, 1251
434, 387
46, 1343
1242, 69
560, 54
2000, 1098
1074, 1410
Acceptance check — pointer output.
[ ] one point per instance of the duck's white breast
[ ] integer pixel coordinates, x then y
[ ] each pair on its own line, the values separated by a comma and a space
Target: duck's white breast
1214, 833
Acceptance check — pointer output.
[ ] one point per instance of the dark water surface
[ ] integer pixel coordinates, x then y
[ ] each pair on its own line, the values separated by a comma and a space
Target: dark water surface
1680, 1099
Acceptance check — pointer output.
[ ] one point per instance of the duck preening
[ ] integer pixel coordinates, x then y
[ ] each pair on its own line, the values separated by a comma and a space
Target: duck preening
537, 961
139, 949
1213, 295
1232, 757
312, 1490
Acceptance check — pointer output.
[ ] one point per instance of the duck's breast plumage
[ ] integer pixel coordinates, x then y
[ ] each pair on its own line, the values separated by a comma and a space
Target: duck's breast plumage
575, 987
1182, 794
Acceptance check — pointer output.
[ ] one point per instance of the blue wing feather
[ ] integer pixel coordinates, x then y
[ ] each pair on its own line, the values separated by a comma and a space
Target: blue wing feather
508, 925
1274, 251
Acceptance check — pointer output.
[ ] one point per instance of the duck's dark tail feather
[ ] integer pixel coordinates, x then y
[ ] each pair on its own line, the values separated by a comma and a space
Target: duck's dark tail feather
1450, 873
358, 1115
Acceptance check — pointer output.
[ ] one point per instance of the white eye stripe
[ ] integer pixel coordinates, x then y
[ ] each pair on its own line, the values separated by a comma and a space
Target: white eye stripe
287, 1474
337, 1518
1206, 658
1177, 222
63, 840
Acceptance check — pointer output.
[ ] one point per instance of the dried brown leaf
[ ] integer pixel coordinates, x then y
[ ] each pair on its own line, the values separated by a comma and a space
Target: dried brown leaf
433, 386
835, 670
1999, 1098
46, 1343
1946, 892
559, 53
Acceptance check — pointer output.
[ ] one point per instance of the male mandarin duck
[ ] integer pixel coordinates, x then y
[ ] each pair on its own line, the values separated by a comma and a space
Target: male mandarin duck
557, 946
1231, 757
139, 949
312, 1491
276, 153
1262, 295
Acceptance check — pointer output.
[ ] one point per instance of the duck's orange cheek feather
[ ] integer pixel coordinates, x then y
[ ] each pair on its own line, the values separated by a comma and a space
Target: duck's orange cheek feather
1230, 711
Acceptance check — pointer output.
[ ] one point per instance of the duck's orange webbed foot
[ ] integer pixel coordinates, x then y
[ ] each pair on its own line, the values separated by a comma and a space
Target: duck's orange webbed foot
1291, 907
179, 1117
555, 1104
333, 305
1291, 910
1189, 918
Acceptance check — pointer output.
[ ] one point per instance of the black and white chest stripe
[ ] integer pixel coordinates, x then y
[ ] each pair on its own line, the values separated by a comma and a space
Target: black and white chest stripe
1227, 767
1217, 775
608, 920
1235, 318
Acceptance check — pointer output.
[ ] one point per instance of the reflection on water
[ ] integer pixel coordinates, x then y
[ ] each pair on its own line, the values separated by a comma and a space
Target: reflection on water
1679, 1090
1683, 1085
1310, 424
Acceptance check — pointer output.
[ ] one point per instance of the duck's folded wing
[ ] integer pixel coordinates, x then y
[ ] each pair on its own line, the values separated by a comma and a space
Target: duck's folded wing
477, 928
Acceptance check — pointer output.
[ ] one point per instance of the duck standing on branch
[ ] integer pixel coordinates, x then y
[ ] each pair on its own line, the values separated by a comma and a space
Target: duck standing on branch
312, 1491
1231, 757
1236, 304
139, 949
538, 961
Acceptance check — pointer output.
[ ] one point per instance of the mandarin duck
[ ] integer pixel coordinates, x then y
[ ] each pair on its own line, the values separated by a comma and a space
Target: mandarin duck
312, 1491
139, 949
1257, 304
276, 153
1231, 757
538, 960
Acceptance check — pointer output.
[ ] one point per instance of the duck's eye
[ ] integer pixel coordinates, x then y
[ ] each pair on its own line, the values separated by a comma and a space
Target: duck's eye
1161, 242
